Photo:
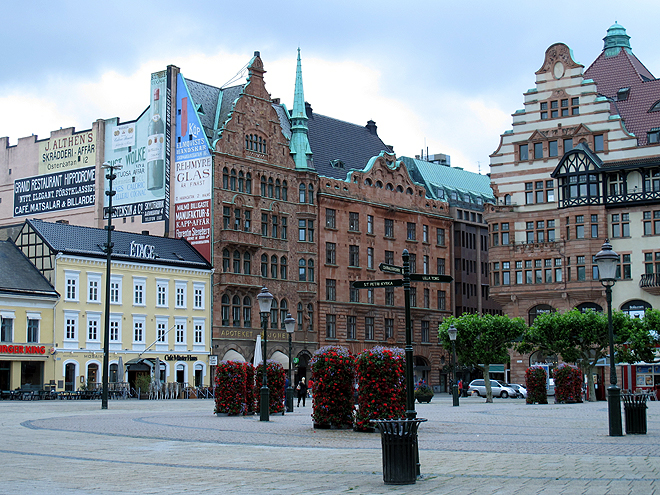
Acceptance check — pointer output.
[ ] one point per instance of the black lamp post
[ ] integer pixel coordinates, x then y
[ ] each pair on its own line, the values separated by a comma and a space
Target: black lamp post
290, 325
607, 260
265, 299
111, 176
452, 331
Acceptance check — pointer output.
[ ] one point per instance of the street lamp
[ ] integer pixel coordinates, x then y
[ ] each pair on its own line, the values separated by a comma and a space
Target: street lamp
290, 325
452, 331
111, 176
265, 299
607, 260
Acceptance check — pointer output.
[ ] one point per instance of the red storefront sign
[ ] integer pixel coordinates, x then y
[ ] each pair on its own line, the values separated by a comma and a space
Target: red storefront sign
23, 349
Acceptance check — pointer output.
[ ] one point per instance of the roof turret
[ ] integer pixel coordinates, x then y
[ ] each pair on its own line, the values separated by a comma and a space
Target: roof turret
615, 40
300, 149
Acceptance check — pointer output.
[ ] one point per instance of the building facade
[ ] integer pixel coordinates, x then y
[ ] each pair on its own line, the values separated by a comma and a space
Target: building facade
580, 165
160, 305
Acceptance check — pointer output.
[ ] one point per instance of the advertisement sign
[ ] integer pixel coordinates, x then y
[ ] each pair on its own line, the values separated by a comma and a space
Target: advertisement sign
140, 148
192, 176
54, 192
67, 152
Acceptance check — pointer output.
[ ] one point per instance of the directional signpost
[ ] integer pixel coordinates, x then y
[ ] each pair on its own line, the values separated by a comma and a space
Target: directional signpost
404, 270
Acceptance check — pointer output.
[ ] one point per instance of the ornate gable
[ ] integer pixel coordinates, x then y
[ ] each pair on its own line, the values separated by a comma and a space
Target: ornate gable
558, 58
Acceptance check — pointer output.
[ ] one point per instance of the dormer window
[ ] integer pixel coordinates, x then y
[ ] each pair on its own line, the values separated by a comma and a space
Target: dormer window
655, 107
654, 136
622, 94
337, 164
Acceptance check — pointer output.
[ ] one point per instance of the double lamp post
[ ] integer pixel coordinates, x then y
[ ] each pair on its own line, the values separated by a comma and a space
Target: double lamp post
265, 300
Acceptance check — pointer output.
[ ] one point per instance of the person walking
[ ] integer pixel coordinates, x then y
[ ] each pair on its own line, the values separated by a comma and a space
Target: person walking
301, 390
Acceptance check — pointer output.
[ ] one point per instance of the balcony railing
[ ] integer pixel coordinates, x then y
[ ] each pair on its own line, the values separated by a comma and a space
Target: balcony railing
650, 282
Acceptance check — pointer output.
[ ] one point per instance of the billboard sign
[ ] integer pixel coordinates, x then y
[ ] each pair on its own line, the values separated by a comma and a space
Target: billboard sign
140, 148
192, 175
67, 152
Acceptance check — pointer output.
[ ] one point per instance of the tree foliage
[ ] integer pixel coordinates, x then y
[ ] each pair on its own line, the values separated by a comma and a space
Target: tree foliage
583, 338
482, 340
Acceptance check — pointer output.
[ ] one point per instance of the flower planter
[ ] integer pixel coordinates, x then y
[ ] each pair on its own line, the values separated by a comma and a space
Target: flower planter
332, 374
424, 398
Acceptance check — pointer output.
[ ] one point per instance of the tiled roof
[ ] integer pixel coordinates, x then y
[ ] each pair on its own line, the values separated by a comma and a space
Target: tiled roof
441, 180
18, 275
335, 141
229, 97
88, 241
205, 99
625, 71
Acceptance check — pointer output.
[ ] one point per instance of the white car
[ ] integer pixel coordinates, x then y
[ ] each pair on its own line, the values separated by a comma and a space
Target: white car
499, 389
521, 391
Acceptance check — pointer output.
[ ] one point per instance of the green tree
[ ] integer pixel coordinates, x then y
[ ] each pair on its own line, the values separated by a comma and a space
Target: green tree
482, 340
583, 338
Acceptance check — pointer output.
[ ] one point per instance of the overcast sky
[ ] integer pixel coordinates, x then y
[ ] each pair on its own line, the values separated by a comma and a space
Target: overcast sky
433, 74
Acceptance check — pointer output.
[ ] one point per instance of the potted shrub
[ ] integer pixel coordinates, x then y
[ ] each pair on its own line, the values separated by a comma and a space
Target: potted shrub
276, 380
230, 388
380, 373
423, 393
142, 382
332, 374
568, 384
535, 383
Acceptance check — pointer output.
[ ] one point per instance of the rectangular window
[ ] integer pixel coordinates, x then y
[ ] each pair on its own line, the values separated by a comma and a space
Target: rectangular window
389, 296
524, 152
411, 231
138, 331
138, 291
330, 218
425, 332
427, 298
370, 224
425, 233
331, 326
92, 328
115, 291
370, 258
599, 143
180, 335
198, 330
32, 330
441, 266
538, 150
413, 297
330, 289
198, 299
71, 328
264, 224
6, 329
330, 253
71, 285
389, 227
351, 327
552, 148
353, 221
284, 229
369, 328
354, 294
389, 328
161, 329
568, 144
180, 301
353, 256
93, 286
114, 330
226, 217
425, 265
389, 257
440, 236
274, 226
370, 296
529, 193
442, 300
161, 293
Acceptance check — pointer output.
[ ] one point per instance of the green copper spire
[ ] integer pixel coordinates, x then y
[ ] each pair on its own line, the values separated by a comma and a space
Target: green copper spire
615, 40
300, 149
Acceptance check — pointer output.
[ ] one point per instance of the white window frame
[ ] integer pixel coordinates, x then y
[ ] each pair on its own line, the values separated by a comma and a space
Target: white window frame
116, 318
180, 331
162, 284
9, 315
71, 318
139, 319
164, 321
179, 284
201, 323
72, 281
94, 278
141, 284
32, 317
93, 317
116, 279
199, 286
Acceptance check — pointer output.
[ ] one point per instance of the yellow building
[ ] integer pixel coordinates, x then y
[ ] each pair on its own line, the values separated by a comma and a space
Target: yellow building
160, 305
27, 300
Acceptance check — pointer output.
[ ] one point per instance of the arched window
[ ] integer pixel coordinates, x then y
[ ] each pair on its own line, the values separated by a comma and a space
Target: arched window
301, 195
270, 188
247, 263
247, 312
368, 182
241, 182
300, 317
225, 260
399, 188
237, 262
273, 314
283, 274
389, 187
285, 191
263, 186
409, 191
236, 311
225, 178
248, 183
232, 180
310, 270
310, 315
379, 184
225, 310
264, 265
283, 312
273, 266
539, 309
507, 199
310, 194
302, 270
278, 189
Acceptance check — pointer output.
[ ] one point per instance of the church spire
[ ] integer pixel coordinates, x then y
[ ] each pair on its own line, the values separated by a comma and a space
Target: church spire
300, 149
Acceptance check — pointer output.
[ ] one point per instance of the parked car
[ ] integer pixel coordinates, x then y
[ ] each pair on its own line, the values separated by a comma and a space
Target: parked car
521, 391
499, 390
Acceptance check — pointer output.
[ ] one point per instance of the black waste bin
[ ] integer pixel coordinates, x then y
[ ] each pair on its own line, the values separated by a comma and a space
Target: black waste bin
400, 454
634, 407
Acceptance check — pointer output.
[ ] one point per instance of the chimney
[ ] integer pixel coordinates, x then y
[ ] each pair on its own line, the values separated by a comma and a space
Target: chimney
371, 127
145, 232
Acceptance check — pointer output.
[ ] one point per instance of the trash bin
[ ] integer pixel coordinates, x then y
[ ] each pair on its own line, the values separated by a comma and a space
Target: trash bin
400, 454
634, 407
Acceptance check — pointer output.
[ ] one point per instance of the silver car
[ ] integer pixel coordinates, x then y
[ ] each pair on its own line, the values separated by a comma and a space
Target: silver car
499, 390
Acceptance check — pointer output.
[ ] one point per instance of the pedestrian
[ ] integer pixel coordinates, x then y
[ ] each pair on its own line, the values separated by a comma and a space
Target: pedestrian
301, 389
460, 388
